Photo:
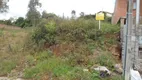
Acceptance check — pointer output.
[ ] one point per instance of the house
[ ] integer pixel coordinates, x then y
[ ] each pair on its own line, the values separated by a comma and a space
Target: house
120, 10
108, 14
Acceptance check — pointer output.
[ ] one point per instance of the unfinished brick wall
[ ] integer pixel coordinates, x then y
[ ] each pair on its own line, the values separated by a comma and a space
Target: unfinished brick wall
141, 8
141, 12
121, 10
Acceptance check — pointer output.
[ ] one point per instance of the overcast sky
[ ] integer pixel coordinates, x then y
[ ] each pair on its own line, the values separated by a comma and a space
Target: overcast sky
19, 8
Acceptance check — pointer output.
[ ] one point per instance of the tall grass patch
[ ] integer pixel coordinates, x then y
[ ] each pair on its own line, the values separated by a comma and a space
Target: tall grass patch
6, 66
105, 59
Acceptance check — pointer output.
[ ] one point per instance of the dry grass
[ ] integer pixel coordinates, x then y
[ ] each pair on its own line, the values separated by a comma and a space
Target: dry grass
11, 48
9, 27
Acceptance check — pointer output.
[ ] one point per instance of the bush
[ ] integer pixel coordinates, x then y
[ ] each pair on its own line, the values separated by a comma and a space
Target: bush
49, 33
105, 59
8, 22
108, 28
78, 30
21, 22
45, 34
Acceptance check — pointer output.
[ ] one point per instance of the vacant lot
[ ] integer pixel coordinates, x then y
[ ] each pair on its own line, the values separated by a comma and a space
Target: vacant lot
63, 57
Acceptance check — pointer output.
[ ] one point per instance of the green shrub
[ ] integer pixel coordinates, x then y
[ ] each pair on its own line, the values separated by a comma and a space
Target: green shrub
41, 56
45, 33
49, 33
21, 22
105, 59
108, 28
78, 30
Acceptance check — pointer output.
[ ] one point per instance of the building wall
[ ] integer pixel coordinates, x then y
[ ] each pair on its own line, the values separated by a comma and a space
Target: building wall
141, 12
120, 10
141, 7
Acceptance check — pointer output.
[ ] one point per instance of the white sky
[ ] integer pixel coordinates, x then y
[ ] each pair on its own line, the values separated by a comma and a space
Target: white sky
19, 8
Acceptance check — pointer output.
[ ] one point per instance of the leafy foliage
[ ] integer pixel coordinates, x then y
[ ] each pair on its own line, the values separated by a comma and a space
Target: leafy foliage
45, 33
105, 59
48, 15
3, 5
7, 22
78, 30
33, 14
21, 22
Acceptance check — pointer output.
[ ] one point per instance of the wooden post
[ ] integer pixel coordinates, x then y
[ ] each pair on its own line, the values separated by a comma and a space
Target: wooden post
99, 24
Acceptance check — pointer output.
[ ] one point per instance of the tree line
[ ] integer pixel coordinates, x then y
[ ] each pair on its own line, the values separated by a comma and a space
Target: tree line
33, 16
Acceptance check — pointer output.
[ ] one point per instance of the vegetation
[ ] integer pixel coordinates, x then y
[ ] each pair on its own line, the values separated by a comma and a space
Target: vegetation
45, 33
49, 47
3, 6
6, 66
48, 16
21, 22
72, 45
33, 14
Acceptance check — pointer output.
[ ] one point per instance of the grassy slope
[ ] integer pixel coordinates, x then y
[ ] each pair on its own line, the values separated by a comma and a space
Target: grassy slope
44, 65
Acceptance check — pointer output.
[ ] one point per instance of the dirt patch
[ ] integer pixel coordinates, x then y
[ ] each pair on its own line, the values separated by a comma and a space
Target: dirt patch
62, 48
116, 51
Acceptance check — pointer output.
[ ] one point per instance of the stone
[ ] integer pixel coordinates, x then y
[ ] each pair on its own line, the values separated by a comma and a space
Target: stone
118, 68
19, 79
104, 72
85, 70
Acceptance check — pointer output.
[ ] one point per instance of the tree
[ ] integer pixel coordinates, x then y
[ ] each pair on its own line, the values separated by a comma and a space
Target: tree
20, 22
82, 14
73, 14
3, 6
51, 15
48, 15
45, 14
33, 14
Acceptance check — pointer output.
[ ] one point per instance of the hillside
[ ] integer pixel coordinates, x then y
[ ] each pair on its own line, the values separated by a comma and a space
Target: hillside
64, 58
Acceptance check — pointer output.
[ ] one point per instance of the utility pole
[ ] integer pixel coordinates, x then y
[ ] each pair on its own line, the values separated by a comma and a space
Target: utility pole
137, 12
136, 34
127, 49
